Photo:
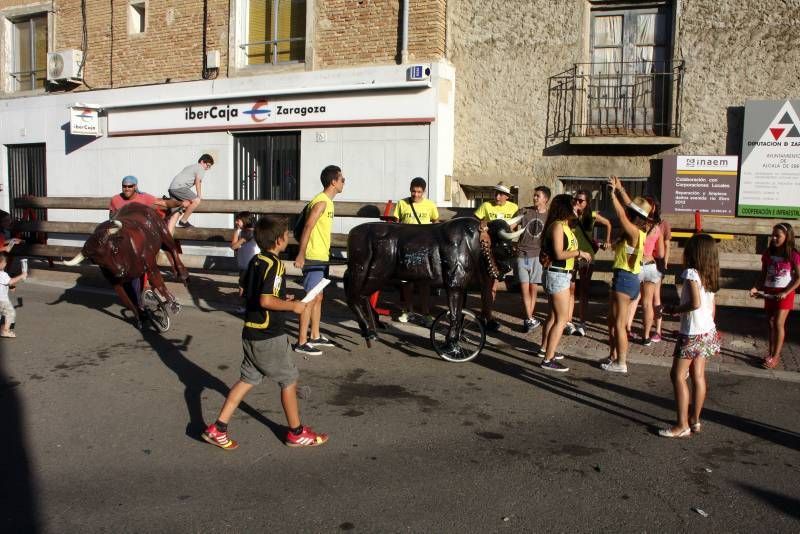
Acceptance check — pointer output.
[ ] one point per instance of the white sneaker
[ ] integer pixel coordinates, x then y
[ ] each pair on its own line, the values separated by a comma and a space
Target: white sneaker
580, 330
403, 318
569, 329
614, 368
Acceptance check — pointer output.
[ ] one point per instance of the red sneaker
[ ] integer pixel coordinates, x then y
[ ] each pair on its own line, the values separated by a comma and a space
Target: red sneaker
215, 437
306, 438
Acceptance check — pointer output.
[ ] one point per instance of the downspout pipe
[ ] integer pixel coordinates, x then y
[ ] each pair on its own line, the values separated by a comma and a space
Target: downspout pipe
404, 34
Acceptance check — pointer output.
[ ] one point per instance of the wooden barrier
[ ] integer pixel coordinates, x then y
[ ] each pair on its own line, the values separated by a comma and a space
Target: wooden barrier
738, 270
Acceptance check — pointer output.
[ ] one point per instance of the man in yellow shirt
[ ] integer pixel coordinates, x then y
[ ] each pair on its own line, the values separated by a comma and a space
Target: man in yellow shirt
314, 255
500, 208
416, 209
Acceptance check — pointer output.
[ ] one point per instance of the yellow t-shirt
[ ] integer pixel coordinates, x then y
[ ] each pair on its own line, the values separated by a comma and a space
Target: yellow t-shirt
622, 251
425, 208
487, 210
319, 243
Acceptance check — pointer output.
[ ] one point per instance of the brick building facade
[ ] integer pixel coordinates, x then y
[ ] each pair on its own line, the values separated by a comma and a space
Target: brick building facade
532, 92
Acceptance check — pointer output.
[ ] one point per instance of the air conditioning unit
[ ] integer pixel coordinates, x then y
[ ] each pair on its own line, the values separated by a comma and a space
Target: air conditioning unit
64, 66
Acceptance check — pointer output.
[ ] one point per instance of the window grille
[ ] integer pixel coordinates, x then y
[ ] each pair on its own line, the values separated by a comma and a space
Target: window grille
29, 38
276, 31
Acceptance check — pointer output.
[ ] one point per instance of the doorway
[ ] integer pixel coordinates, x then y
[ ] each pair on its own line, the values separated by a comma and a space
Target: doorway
266, 166
27, 176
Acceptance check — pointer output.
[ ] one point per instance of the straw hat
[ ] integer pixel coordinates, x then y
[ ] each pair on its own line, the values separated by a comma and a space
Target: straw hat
503, 188
640, 206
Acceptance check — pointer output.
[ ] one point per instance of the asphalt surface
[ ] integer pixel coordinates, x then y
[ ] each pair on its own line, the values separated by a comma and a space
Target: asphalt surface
102, 430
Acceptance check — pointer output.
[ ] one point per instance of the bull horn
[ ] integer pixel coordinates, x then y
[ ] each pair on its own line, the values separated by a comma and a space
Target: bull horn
76, 260
515, 220
118, 225
511, 236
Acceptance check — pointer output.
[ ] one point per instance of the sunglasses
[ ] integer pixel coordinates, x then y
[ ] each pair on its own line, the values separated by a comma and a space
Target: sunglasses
128, 187
580, 200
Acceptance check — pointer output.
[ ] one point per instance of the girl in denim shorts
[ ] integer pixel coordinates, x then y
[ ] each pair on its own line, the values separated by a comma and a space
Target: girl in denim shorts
560, 246
698, 338
632, 215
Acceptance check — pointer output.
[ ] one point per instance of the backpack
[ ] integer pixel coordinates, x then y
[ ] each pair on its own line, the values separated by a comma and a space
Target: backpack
297, 231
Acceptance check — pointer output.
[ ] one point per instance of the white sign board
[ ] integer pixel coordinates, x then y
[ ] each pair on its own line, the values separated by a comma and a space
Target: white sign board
84, 121
770, 174
386, 107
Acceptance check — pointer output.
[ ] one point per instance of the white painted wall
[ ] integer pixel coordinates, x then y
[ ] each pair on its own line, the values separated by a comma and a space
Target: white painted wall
378, 161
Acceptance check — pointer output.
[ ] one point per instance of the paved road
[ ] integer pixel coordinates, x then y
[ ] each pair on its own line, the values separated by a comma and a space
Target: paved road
102, 427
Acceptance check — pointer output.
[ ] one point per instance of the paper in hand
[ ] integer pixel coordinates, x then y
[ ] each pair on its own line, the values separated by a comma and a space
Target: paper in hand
316, 290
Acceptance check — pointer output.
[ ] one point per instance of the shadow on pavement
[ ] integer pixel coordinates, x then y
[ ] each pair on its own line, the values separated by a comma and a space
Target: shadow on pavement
779, 436
18, 501
780, 502
195, 380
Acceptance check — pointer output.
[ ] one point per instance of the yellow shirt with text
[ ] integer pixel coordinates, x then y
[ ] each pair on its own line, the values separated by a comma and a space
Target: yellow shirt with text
487, 210
425, 208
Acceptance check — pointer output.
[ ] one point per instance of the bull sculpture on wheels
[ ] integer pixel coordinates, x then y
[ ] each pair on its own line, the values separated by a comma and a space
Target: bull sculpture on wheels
126, 248
452, 255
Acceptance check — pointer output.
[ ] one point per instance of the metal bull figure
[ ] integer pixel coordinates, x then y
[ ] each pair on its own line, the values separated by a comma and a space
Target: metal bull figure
451, 255
126, 247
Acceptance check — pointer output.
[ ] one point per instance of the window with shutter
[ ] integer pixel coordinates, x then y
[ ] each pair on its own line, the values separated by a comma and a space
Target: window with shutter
276, 31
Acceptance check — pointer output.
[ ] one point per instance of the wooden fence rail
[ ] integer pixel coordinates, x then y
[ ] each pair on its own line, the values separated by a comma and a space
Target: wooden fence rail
737, 269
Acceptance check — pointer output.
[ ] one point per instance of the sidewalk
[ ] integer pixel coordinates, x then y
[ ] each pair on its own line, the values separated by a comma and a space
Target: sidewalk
743, 329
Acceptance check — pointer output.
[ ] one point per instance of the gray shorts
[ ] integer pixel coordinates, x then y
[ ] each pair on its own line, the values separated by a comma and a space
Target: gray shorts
529, 270
183, 193
556, 281
268, 357
7, 310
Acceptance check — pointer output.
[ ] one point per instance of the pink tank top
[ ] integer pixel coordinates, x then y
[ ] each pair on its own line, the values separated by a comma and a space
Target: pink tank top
651, 240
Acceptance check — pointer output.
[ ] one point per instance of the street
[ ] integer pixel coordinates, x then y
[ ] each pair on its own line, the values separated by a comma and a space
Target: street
106, 424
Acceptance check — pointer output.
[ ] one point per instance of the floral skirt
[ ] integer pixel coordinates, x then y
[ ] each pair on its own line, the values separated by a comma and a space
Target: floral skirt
699, 346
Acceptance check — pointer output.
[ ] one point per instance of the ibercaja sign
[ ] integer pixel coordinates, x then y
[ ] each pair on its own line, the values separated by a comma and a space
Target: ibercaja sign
704, 183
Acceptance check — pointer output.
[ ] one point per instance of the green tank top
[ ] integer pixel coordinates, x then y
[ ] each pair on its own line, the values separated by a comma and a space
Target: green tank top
622, 251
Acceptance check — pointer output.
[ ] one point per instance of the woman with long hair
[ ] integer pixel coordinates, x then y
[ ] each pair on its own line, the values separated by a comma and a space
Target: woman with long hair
779, 278
559, 251
584, 230
628, 252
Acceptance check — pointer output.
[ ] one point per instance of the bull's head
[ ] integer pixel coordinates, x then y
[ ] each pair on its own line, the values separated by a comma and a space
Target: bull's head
103, 248
504, 244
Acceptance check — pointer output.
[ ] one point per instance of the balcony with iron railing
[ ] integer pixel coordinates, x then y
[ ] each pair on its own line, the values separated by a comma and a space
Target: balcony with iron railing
621, 103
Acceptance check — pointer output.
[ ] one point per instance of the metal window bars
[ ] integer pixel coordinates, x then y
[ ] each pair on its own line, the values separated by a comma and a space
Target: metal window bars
632, 99
274, 53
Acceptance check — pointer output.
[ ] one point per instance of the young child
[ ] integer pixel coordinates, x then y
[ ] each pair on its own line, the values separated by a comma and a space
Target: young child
264, 342
698, 338
780, 276
6, 308
244, 245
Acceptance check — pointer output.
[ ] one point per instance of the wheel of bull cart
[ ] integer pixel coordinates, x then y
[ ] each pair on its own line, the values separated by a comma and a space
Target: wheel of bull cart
156, 309
470, 341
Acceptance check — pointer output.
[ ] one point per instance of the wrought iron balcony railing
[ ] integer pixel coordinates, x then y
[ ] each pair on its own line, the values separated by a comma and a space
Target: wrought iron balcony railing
621, 99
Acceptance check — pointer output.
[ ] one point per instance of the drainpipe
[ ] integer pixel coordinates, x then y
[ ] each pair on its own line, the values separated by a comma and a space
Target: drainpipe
404, 34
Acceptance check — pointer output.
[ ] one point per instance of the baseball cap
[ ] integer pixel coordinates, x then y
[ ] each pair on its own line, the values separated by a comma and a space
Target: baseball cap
130, 180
